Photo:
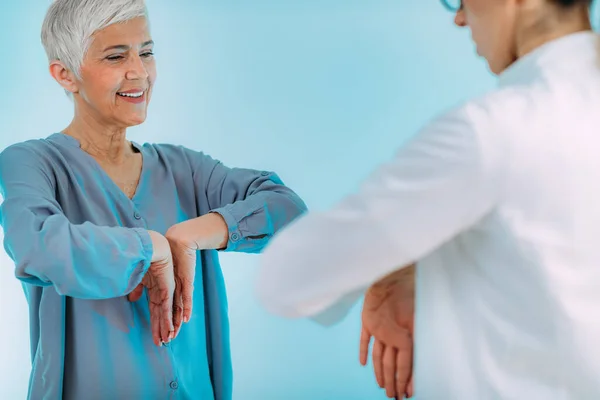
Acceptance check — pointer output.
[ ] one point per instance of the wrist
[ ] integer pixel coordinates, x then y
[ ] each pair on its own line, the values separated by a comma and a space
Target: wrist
155, 239
402, 276
209, 231
221, 230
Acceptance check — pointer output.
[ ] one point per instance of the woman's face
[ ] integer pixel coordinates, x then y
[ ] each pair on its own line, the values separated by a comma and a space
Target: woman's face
493, 28
117, 75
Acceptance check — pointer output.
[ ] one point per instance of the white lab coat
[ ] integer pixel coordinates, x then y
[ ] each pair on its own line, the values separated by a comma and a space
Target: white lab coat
498, 201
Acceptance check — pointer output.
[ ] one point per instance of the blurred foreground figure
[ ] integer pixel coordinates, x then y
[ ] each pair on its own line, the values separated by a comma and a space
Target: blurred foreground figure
489, 218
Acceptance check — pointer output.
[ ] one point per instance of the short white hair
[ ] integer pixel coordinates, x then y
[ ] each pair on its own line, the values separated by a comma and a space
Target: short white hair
70, 24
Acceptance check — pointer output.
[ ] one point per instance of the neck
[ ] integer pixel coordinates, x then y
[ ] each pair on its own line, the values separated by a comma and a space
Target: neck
550, 26
103, 142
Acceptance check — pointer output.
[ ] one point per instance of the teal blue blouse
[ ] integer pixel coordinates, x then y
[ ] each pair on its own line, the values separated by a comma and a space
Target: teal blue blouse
79, 245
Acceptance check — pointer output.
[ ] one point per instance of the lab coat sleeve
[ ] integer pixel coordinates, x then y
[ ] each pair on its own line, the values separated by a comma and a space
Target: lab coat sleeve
437, 185
79, 260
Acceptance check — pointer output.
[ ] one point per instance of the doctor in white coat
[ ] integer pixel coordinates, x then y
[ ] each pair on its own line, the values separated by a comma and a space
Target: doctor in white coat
488, 220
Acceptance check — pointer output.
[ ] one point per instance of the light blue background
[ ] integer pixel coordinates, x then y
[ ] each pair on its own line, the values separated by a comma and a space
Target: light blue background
320, 91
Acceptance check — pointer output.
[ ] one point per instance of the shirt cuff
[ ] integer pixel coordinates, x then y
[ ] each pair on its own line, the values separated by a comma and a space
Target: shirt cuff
143, 265
234, 235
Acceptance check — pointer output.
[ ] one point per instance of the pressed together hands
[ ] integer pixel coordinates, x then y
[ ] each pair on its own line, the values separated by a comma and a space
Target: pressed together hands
170, 278
387, 315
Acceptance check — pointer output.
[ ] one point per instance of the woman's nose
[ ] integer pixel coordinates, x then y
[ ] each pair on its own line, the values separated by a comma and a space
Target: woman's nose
459, 18
137, 69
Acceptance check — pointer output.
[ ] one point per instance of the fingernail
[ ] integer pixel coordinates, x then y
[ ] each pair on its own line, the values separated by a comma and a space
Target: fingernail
186, 319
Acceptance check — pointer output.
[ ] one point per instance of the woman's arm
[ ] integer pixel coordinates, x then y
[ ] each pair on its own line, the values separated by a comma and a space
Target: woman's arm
254, 204
79, 260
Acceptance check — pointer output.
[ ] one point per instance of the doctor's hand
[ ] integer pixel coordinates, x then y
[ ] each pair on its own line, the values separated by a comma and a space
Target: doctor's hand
388, 317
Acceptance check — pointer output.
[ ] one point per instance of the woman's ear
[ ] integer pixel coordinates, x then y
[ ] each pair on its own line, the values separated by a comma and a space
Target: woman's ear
63, 76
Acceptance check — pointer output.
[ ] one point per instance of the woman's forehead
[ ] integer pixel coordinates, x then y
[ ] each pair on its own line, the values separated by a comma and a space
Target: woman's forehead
132, 33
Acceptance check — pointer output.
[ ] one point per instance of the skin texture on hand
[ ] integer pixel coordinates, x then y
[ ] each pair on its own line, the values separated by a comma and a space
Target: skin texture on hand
160, 283
388, 317
182, 240
206, 232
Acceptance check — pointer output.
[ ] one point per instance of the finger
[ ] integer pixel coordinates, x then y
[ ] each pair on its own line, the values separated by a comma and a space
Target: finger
136, 293
155, 323
186, 270
177, 309
166, 306
403, 368
164, 281
377, 353
410, 391
154, 310
365, 341
389, 371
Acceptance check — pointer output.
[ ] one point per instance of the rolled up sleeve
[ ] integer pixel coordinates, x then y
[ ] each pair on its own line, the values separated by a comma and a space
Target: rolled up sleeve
254, 204
79, 260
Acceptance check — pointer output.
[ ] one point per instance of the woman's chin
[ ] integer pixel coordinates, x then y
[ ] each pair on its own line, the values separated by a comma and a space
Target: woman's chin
135, 120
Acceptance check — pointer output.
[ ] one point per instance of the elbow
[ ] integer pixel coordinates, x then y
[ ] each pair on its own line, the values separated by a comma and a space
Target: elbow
32, 271
292, 201
273, 291
23, 272
282, 302
295, 209
281, 296
324, 310
301, 207
276, 303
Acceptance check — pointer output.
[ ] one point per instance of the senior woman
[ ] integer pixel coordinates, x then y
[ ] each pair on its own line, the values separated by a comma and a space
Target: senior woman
90, 217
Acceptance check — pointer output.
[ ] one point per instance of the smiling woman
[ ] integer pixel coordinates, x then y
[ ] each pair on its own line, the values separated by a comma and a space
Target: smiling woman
117, 74
94, 223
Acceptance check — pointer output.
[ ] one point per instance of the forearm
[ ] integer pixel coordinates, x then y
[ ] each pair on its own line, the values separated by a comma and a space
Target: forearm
206, 232
81, 261
402, 279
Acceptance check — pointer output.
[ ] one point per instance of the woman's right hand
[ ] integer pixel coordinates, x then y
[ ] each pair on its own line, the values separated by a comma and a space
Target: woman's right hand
160, 283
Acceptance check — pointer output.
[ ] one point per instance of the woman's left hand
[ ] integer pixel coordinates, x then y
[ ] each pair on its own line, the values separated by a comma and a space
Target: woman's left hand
184, 263
186, 238
183, 252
